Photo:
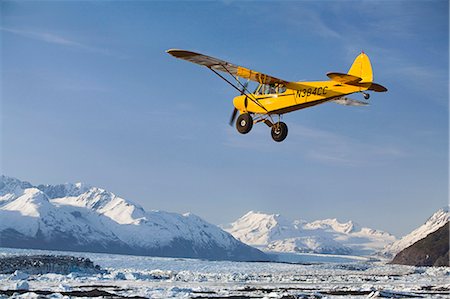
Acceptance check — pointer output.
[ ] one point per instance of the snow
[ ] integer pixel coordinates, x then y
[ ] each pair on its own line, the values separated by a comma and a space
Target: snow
313, 258
11, 188
97, 203
258, 229
18, 275
273, 232
21, 285
31, 203
28, 205
436, 221
333, 224
95, 218
186, 278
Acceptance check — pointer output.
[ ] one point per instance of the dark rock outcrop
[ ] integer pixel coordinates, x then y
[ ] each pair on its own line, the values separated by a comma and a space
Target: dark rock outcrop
433, 250
42, 264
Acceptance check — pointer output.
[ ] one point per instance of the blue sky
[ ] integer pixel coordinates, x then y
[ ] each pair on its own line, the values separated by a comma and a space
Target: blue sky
89, 94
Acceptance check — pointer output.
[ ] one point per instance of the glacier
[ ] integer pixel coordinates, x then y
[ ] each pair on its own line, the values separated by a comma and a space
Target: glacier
158, 277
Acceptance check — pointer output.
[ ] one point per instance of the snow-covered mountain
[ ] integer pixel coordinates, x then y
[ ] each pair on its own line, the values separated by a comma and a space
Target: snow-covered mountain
277, 233
79, 217
436, 221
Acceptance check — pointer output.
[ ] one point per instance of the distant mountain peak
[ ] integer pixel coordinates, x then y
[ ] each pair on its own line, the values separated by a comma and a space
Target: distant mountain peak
334, 224
9, 186
273, 219
439, 216
32, 202
274, 232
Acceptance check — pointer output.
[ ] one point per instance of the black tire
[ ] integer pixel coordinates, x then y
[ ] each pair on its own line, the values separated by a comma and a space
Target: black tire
279, 131
244, 123
366, 96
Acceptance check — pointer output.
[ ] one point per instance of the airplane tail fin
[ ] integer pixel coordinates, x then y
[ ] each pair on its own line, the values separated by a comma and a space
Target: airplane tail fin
359, 74
362, 68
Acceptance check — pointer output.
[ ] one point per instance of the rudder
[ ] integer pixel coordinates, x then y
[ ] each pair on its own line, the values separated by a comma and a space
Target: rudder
362, 68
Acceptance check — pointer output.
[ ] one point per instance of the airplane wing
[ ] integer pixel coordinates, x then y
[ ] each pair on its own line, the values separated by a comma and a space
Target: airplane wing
232, 69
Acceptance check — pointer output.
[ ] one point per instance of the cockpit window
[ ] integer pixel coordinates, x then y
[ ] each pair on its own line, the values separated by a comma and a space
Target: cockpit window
272, 89
269, 89
281, 88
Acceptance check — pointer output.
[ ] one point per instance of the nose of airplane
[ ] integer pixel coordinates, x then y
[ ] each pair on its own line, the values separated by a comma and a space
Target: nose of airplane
239, 103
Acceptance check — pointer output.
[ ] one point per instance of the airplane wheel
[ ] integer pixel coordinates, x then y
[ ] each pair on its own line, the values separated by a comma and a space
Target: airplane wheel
366, 96
279, 131
244, 123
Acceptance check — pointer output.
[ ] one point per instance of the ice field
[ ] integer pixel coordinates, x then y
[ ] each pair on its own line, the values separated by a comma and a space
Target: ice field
150, 277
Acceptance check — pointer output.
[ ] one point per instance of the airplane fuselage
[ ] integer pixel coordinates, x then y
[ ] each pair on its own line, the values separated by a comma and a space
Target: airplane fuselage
305, 95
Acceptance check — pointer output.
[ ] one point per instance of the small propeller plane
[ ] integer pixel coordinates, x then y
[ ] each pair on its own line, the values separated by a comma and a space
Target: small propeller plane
274, 97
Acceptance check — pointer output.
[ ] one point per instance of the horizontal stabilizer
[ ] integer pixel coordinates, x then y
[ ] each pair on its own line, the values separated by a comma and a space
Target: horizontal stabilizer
377, 87
349, 102
343, 78
370, 86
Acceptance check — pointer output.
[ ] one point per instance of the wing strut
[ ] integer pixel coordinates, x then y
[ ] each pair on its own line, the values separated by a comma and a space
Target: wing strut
235, 87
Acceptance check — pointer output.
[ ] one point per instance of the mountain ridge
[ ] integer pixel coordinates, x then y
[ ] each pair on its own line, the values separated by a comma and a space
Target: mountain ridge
432, 224
274, 232
433, 250
80, 217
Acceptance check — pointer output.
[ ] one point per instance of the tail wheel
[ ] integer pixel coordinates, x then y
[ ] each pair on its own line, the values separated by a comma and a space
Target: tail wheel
279, 131
244, 123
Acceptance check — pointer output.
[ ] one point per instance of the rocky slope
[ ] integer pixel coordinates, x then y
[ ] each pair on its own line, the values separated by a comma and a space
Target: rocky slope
433, 250
79, 217
436, 221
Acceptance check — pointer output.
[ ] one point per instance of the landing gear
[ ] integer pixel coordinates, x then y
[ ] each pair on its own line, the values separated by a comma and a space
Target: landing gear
244, 123
366, 95
279, 131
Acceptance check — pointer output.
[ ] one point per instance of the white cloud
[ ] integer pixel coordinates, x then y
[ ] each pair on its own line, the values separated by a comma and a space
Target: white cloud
58, 40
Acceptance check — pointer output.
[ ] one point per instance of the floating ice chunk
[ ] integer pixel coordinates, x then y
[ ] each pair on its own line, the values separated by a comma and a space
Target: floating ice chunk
21, 285
161, 274
64, 288
437, 271
18, 275
272, 295
119, 276
180, 290
392, 294
27, 295
57, 296
54, 277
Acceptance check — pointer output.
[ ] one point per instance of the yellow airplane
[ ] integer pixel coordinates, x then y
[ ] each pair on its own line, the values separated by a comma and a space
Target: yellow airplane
274, 97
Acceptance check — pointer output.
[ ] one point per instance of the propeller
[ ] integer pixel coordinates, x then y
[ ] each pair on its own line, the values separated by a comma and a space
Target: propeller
233, 115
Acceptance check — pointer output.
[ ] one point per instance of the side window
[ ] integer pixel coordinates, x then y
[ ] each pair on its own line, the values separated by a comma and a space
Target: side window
272, 89
281, 88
